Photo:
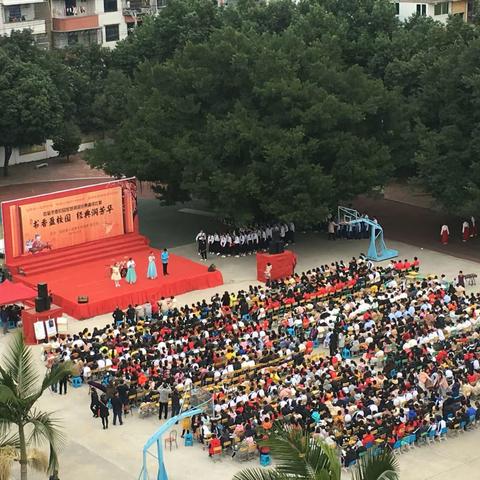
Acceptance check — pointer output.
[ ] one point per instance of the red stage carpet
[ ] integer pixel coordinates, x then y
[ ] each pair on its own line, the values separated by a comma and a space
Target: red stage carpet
84, 270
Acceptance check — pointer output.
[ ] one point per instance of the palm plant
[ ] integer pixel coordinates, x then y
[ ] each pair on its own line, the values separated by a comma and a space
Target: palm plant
299, 457
22, 426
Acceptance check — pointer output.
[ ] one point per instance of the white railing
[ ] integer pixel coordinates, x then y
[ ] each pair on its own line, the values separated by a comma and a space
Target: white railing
36, 26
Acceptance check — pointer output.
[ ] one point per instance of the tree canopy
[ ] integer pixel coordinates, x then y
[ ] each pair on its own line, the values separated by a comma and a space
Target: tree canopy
277, 110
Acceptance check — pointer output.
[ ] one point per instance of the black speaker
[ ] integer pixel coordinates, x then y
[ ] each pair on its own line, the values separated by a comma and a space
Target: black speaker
276, 247
42, 289
41, 304
82, 299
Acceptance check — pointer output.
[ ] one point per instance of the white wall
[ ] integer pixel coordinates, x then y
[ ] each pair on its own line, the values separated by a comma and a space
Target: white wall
49, 152
111, 18
407, 9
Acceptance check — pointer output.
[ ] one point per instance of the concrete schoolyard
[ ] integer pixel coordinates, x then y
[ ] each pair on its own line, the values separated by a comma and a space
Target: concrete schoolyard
115, 454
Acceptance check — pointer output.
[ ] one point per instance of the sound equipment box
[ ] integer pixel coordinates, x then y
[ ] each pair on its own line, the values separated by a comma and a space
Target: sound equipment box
82, 299
276, 247
42, 289
42, 304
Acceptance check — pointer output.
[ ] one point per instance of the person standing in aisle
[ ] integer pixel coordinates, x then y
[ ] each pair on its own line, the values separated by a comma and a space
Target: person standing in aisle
165, 256
62, 384
163, 393
175, 402
94, 402
117, 408
103, 411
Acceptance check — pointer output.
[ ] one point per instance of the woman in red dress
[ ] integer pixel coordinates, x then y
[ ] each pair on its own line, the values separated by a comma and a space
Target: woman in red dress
444, 234
465, 231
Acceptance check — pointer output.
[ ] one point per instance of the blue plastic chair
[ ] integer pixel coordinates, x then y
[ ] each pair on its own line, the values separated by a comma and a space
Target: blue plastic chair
265, 459
188, 439
76, 382
346, 353
397, 445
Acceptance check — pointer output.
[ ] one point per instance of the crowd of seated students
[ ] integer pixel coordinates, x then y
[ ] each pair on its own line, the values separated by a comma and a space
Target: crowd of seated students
403, 356
417, 372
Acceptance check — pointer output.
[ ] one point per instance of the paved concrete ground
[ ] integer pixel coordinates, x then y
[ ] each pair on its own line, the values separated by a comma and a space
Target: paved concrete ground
91, 452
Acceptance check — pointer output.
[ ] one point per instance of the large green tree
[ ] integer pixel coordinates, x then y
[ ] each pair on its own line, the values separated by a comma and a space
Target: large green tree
259, 124
31, 109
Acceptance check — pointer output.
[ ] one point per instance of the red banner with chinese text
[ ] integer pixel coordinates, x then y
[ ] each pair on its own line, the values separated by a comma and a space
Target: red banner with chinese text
71, 219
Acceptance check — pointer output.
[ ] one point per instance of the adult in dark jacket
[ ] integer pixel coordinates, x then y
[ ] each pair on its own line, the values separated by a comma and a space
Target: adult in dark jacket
103, 411
117, 408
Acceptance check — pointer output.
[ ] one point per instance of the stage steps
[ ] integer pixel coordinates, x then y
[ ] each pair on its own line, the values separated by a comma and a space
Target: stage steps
116, 247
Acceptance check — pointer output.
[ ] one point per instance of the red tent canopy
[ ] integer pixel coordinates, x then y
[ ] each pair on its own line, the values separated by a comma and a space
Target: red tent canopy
15, 292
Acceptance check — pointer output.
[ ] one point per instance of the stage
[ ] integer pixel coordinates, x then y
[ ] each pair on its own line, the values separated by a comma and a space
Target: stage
70, 239
91, 277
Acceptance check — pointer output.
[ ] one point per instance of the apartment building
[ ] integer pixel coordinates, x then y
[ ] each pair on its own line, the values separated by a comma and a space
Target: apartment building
25, 14
438, 10
59, 23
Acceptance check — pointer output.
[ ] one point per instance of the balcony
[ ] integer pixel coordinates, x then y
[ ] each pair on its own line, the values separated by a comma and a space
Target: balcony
36, 26
7, 3
79, 37
75, 23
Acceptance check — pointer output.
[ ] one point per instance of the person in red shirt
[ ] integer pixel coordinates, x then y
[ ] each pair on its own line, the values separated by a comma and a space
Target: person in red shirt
213, 447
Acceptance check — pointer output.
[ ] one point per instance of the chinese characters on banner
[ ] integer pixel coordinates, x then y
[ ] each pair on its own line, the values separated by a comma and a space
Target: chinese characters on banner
71, 220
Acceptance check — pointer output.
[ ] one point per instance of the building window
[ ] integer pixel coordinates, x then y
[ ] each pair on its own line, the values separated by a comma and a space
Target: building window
112, 33
441, 8
422, 9
397, 8
110, 5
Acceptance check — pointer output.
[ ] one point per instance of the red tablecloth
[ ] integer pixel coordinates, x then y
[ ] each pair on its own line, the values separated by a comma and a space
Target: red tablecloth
30, 316
283, 264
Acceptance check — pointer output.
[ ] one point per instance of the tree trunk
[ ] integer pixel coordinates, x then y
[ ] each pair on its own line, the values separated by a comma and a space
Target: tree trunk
23, 452
8, 153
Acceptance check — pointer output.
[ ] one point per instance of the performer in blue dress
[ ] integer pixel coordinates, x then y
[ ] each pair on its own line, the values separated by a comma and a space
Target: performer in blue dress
131, 274
152, 267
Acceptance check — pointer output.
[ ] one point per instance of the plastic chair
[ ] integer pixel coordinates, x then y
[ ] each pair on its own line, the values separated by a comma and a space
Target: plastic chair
443, 434
431, 436
188, 440
397, 446
76, 382
346, 354
265, 459
472, 421
171, 439
216, 452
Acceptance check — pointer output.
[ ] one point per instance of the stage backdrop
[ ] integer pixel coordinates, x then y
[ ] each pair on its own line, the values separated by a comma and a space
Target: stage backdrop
70, 217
